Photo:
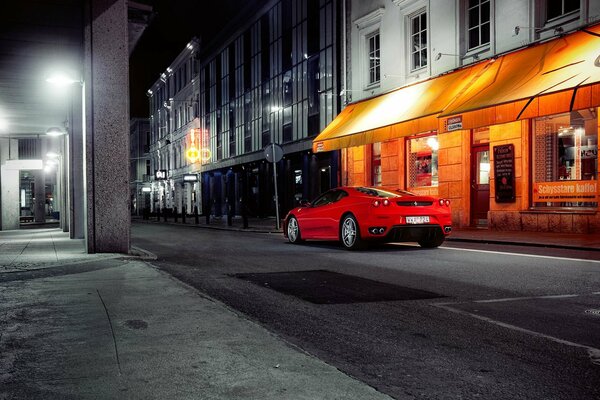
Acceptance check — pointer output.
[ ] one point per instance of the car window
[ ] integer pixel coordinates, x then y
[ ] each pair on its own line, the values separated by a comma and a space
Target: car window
322, 199
329, 197
376, 192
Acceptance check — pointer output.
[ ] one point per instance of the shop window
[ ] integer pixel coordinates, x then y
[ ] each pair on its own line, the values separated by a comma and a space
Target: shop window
422, 161
376, 164
565, 160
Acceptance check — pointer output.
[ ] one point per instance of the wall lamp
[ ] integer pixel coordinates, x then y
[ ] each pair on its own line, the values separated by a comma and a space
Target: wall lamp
439, 55
518, 29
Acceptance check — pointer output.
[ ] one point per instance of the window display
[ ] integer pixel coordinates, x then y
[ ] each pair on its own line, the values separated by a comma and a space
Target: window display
422, 161
565, 160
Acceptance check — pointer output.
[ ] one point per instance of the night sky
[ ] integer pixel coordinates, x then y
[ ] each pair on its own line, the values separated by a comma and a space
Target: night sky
174, 24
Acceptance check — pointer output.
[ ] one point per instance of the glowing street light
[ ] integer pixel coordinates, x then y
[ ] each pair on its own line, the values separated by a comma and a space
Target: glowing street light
61, 80
55, 131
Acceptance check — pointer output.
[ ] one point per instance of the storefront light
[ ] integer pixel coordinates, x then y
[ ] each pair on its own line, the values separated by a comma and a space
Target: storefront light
433, 143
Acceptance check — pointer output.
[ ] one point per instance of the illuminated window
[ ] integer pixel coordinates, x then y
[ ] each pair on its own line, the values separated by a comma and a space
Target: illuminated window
376, 164
565, 160
418, 40
422, 161
478, 22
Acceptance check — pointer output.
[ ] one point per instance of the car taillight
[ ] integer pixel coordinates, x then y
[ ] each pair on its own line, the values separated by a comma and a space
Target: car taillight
376, 203
447, 203
444, 202
386, 202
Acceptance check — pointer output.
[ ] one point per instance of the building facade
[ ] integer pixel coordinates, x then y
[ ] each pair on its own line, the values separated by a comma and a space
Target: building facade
139, 165
492, 104
274, 80
174, 124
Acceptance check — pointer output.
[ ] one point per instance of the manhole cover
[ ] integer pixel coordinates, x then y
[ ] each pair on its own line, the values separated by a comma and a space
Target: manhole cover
593, 312
326, 287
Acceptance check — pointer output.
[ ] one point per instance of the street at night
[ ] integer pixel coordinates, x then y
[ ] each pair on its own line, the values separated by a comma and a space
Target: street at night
300, 199
494, 324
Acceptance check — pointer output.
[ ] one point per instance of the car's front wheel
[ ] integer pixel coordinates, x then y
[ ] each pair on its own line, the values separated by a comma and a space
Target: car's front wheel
350, 234
293, 231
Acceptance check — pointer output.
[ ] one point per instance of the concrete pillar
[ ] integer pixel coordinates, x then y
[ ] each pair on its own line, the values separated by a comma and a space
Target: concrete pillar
106, 134
39, 193
76, 203
9, 186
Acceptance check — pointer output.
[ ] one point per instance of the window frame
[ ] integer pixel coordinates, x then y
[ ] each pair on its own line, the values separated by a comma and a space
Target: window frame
411, 34
407, 153
373, 64
561, 169
478, 26
369, 26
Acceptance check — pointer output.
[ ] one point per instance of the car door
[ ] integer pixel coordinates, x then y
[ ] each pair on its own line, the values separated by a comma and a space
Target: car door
325, 215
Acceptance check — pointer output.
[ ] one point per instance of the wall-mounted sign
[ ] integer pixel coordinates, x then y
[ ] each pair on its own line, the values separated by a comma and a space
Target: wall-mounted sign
160, 174
453, 123
504, 173
190, 178
565, 191
146, 189
193, 154
320, 147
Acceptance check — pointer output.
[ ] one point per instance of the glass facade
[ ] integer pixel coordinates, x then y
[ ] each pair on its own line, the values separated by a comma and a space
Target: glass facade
272, 83
565, 160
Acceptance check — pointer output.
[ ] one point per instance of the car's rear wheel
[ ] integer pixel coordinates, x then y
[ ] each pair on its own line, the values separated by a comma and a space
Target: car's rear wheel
350, 234
293, 231
434, 239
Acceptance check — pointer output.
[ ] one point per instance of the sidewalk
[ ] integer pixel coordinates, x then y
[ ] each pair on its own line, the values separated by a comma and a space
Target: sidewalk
111, 326
539, 239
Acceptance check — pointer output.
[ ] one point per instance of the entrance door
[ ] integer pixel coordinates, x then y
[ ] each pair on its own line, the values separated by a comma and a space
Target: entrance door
480, 185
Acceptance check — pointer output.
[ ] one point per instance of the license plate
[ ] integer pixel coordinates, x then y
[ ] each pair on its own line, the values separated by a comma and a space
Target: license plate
417, 220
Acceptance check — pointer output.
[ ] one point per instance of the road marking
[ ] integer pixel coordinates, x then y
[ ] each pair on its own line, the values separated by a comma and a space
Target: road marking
521, 254
593, 352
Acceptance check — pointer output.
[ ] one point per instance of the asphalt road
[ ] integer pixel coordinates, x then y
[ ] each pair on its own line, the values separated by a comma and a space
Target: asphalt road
463, 321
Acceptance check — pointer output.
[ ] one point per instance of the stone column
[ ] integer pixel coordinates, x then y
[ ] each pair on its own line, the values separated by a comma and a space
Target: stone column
9, 186
106, 134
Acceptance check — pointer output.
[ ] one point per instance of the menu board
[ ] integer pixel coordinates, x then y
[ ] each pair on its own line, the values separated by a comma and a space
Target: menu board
504, 173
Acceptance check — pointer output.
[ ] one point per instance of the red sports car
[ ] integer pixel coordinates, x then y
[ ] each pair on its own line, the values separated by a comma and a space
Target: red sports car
356, 215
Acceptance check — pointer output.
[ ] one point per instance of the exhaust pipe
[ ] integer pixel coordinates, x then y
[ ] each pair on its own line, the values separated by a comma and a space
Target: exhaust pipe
447, 229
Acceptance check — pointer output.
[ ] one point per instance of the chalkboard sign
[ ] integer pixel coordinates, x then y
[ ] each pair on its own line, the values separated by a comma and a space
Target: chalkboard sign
504, 173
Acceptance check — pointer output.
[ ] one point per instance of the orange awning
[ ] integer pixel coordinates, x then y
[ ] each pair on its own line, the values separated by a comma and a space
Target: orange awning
549, 78
402, 112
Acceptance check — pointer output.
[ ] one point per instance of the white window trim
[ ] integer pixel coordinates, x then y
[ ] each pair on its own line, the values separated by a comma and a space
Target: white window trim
367, 26
479, 51
408, 34
547, 29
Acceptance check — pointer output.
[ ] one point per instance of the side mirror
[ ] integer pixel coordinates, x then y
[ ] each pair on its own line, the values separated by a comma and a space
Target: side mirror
304, 203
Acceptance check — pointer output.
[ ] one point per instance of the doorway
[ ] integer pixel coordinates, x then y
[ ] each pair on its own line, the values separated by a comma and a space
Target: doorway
480, 185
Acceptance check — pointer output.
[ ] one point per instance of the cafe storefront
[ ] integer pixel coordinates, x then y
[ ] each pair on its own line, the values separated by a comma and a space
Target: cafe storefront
512, 141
